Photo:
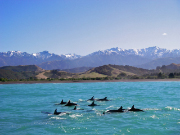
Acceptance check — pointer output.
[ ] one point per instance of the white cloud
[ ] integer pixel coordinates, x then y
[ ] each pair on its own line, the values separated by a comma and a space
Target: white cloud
164, 34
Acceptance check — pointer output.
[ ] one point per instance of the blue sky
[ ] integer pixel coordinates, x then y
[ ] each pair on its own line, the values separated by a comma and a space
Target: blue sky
85, 26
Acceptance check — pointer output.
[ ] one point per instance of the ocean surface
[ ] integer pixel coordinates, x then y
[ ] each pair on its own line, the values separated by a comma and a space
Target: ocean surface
24, 108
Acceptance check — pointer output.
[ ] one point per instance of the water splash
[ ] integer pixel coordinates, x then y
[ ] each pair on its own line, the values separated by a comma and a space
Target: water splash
172, 108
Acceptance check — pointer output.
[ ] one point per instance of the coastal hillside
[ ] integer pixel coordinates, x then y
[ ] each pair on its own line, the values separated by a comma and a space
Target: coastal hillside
172, 68
8, 74
101, 71
23, 68
20, 72
11, 75
76, 70
116, 70
105, 71
57, 74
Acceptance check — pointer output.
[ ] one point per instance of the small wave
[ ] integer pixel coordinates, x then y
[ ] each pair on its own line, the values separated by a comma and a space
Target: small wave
172, 108
152, 109
75, 115
61, 114
57, 118
154, 117
95, 110
81, 100
63, 128
110, 107
128, 130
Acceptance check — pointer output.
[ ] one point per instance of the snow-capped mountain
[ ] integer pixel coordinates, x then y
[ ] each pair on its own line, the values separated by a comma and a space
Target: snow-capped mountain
118, 56
151, 52
42, 55
14, 54
14, 58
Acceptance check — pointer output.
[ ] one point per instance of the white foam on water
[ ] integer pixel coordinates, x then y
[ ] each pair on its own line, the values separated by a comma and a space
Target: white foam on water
81, 100
63, 128
153, 109
110, 107
75, 115
128, 130
57, 118
154, 117
169, 107
172, 108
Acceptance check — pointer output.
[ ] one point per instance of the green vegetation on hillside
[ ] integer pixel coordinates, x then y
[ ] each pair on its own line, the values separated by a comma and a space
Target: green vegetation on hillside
23, 68
77, 70
19, 72
105, 70
58, 74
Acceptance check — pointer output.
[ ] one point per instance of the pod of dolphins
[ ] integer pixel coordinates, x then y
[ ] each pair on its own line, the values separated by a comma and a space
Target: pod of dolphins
120, 110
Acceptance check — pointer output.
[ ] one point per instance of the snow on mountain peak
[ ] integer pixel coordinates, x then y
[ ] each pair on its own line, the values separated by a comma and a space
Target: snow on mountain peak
72, 56
150, 52
13, 53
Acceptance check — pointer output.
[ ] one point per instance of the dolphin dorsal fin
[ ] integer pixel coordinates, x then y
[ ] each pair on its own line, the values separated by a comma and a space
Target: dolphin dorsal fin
75, 108
55, 111
120, 108
132, 107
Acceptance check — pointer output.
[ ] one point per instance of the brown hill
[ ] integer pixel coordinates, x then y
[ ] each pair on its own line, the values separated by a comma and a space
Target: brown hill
23, 68
120, 71
172, 68
106, 71
20, 72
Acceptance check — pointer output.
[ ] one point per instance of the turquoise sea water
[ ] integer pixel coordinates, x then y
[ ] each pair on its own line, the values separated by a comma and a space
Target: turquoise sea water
21, 107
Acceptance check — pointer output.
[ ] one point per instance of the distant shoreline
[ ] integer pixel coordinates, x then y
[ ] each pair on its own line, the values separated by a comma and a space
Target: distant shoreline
90, 81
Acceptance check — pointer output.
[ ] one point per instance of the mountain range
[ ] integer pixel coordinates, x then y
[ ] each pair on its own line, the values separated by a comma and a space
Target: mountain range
147, 58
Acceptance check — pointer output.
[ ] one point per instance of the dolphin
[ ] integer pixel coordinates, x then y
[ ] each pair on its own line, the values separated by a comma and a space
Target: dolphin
135, 109
120, 110
77, 109
103, 99
62, 102
91, 98
70, 104
57, 113
93, 104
